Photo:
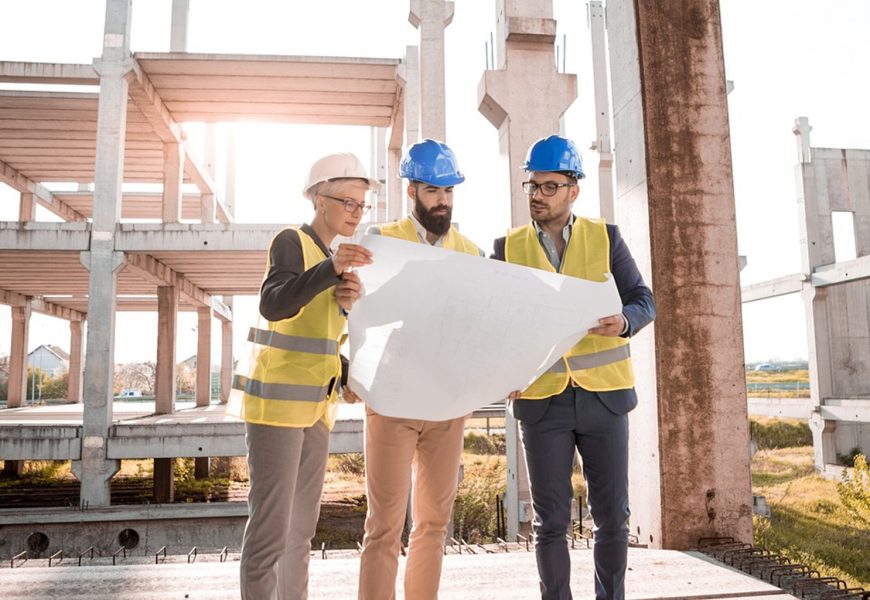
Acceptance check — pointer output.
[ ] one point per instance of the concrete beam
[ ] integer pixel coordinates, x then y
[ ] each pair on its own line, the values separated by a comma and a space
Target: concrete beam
845, 409
41, 306
151, 269
178, 28
148, 101
601, 85
26, 207
18, 181
35, 235
781, 286
41, 442
850, 270
173, 180
142, 237
30, 72
205, 184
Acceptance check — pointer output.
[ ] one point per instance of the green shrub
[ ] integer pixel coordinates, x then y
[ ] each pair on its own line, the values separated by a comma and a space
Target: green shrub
352, 464
848, 460
854, 490
780, 433
474, 512
478, 443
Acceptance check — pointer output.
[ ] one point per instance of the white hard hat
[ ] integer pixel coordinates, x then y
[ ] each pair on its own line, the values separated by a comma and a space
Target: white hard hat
338, 166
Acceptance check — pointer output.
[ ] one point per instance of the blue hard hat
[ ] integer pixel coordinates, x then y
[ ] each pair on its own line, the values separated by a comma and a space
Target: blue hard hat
432, 162
555, 153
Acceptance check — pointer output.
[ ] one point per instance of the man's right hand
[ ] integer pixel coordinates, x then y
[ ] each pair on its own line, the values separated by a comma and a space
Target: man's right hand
348, 256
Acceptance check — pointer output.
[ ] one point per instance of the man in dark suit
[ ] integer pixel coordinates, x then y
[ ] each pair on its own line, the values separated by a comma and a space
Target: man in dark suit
582, 401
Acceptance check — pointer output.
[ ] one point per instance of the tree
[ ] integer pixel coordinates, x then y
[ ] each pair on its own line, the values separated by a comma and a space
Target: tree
135, 376
854, 490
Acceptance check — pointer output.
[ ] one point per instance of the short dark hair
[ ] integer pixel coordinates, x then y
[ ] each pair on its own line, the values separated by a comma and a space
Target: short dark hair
571, 175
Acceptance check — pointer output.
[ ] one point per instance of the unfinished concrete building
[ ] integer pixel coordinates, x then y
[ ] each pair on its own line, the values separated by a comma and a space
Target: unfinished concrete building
668, 92
836, 296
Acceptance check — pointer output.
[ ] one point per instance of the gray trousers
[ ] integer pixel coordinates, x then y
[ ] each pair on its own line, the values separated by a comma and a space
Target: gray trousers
578, 419
286, 466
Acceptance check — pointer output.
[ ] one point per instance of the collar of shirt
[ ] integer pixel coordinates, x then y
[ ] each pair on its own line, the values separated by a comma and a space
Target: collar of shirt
550, 246
421, 232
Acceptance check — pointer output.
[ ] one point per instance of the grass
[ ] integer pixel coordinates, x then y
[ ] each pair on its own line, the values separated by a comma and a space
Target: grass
808, 522
801, 375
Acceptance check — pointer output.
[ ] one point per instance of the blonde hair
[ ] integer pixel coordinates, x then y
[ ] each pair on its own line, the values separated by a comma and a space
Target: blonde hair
335, 187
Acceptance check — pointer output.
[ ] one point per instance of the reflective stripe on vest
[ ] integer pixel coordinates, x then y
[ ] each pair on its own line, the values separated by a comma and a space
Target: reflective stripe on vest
596, 363
294, 367
273, 339
453, 240
280, 391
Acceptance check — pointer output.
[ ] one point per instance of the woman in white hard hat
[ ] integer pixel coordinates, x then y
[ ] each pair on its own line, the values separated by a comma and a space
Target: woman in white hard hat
289, 396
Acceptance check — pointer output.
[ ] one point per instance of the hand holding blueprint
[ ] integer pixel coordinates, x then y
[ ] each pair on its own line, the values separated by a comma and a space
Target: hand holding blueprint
439, 333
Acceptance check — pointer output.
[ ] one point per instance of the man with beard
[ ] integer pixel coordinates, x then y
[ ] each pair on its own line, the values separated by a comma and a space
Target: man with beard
394, 447
581, 403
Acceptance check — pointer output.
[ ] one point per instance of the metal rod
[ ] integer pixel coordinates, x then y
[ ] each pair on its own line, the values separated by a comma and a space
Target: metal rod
85, 551
223, 556
21, 554
193, 554
157, 555
58, 555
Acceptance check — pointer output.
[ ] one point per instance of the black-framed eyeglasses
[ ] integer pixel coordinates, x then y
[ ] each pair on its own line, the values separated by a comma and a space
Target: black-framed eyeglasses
548, 188
350, 205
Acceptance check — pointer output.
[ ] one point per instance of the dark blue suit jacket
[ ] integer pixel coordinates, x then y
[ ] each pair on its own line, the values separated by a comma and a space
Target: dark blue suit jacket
639, 310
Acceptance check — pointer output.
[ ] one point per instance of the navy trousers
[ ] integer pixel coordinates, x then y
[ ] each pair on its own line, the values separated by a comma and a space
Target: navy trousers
577, 418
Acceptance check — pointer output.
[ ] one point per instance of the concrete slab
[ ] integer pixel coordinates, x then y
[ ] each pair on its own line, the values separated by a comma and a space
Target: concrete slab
652, 575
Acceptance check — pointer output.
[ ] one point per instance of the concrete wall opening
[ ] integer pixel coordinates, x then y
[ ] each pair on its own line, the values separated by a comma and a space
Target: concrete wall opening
128, 538
843, 222
37, 543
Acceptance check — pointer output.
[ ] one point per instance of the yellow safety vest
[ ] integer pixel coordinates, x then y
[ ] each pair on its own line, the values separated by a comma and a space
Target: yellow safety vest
404, 230
596, 363
294, 361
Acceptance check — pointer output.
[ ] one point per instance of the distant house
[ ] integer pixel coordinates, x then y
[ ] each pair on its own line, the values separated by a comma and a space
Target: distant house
49, 359
190, 363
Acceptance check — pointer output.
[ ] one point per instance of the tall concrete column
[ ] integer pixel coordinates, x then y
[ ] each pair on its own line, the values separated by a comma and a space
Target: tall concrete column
601, 84
178, 27
432, 17
412, 117
167, 318
94, 470
173, 179
394, 185
17, 383
16, 389
378, 170
203, 376
817, 249
27, 207
230, 173
675, 205
164, 389
226, 354
76, 346
525, 98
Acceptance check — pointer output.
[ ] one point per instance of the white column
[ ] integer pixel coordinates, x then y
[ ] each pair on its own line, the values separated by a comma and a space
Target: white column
76, 347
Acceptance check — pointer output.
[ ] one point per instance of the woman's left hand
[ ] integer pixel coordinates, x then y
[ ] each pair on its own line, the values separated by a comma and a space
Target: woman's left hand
349, 396
348, 290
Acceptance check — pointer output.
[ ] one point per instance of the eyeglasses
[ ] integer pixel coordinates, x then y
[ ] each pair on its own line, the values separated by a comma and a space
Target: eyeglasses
349, 205
548, 188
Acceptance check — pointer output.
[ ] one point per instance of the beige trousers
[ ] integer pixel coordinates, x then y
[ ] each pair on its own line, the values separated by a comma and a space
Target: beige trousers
286, 466
395, 447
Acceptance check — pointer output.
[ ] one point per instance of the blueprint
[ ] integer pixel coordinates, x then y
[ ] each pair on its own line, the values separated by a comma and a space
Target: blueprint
438, 334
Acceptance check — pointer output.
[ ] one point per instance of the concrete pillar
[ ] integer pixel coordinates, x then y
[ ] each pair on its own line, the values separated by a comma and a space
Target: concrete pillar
167, 313
207, 208
164, 389
824, 440
27, 207
394, 185
226, 354
17, 384
94, 470
203, 376
601, 84
76, 347
432, 17
164, 484
230, 173
173, 179
379, 171
675, 204
525, 98
411, 64
178, 29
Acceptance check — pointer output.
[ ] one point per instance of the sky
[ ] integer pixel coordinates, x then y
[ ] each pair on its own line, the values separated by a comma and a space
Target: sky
787, 58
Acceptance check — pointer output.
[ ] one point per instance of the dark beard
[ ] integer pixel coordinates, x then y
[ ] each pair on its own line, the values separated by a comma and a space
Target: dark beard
437, 224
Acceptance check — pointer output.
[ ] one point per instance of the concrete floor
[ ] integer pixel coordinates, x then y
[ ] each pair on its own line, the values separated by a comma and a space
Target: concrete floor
653, 574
